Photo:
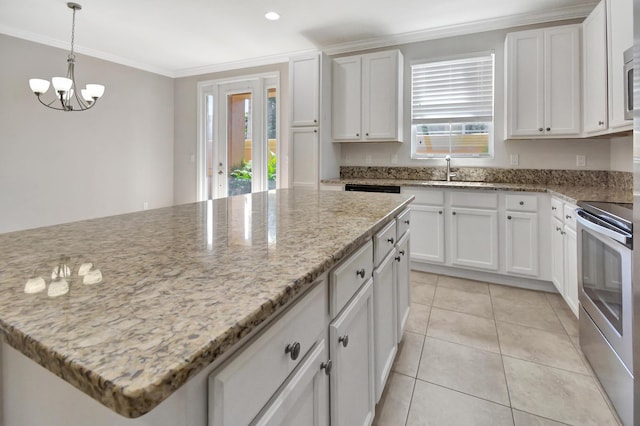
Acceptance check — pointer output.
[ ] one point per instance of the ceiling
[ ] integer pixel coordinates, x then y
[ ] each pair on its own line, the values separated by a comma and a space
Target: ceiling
187, 37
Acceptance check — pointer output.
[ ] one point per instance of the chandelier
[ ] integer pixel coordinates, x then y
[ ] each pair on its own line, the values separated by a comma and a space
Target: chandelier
68, 98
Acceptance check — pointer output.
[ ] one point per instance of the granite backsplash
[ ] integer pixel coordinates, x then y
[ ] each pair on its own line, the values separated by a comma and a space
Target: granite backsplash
605, 178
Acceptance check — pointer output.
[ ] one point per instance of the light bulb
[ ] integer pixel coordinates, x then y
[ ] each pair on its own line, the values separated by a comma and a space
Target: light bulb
95, 90
86, 95
39, 85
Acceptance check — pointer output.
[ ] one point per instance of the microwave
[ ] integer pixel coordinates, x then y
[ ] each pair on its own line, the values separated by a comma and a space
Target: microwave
628, 84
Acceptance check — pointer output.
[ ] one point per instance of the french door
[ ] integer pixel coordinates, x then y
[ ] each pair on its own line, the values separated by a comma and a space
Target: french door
238, 145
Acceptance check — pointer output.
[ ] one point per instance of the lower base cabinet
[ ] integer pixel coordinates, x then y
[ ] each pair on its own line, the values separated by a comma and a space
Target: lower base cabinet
403, 273
385, 319
352, 353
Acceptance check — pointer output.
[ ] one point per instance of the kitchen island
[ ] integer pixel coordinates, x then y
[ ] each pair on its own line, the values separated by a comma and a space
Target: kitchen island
178, 289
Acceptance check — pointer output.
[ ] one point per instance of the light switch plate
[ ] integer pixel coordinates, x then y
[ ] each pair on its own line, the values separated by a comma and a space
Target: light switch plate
514, 159
581, 160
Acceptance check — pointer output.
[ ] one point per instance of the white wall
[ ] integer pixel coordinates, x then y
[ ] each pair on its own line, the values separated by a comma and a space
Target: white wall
547, 154
622, 154
186, 121
59, 167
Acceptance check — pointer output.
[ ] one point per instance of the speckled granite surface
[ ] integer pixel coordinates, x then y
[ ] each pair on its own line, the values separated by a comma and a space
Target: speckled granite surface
570, 185
179, 285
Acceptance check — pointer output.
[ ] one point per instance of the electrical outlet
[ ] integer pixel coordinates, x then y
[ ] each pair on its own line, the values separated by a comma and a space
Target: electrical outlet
514, 159
581, 160
367, 158
394, 159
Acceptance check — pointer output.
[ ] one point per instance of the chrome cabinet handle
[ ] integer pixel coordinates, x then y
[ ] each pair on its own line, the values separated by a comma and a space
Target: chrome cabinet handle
361, 272
326, 366
344, 340
390, 240
293, 350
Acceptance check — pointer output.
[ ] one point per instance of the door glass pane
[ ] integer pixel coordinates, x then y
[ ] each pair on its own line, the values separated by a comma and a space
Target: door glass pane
239, 143
602, 278
272, 142
208, 140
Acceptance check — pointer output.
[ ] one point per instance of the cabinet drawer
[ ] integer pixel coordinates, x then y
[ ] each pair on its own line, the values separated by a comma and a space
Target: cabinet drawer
474, 200
521, 202
383, 242
556, 208
239, 390
569, 216
425, 196
347, 278
402, 223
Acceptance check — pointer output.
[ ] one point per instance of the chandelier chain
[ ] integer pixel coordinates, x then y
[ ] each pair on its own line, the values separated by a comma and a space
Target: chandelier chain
73, 33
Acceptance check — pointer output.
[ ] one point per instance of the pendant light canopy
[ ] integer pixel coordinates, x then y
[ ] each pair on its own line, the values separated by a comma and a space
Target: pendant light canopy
67, 97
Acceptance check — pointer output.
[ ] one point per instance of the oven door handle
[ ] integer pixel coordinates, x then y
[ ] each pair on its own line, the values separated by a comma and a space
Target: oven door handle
621, 237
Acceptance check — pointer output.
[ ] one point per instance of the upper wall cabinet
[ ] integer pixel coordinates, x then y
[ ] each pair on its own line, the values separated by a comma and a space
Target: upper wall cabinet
367, 97
608, 32
304, 78
543, 83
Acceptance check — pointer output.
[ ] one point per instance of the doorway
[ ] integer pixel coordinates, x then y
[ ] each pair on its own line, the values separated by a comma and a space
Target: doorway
238, 146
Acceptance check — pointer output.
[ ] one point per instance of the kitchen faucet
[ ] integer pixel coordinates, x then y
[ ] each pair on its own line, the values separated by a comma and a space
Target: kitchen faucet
449, 174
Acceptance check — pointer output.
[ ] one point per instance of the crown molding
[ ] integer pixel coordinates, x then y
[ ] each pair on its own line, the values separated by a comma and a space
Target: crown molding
48, 41
559, 14
233, 65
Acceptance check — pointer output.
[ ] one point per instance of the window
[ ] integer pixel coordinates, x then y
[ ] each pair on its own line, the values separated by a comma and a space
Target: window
452, 108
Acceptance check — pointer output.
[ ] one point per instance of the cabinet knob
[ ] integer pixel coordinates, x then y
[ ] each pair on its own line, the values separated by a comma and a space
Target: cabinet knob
361, 272
326, 366
568, 216
315, 130
453, 213
540, 129
548, 129
293, 350
509, 217
406, 221
562, 232
553, 208
358, 135
600, 123
558, 228
522, 203
439, 211
315, 121
402, 252
366, 134
390, 240
398, 258
344, 340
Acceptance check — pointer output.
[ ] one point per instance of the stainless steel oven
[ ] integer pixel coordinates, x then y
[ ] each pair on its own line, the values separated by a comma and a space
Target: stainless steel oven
605, 256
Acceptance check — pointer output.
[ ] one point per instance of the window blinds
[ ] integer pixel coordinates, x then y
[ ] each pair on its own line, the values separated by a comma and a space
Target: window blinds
454, 91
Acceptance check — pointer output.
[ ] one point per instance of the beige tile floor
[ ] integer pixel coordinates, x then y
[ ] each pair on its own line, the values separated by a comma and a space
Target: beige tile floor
483, 354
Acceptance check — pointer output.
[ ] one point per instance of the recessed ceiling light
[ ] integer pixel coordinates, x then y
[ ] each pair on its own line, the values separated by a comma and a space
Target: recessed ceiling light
272, 16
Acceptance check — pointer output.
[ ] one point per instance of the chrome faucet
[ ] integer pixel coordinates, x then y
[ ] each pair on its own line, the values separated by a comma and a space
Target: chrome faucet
449, 174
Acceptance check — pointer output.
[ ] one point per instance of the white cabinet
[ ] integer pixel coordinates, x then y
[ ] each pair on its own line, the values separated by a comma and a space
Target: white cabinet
543, 82
305, 399
474, 238
564, 252
304, 153
521, 234
367, 97
595, 70
304, 88
402, 274
620, 38
427, 225
352, 353
385, 320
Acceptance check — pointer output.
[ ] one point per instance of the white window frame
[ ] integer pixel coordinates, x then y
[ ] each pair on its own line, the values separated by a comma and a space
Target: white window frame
491, 135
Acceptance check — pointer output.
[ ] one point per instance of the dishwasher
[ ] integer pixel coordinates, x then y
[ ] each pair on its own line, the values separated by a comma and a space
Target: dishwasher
390, 189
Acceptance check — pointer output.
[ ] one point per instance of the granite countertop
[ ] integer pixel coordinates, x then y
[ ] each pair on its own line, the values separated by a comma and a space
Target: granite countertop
570, 193
178, 286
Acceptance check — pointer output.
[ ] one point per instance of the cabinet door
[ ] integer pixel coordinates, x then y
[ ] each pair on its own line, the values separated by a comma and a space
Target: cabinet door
474, 238
620, 38
562, 81
380, 91
403, 274
384, 320
304, 78
571, 269
427, 227
304, 146
347, 87
305, 399
525, 89
557, 254
594, 54
352, 352
522, 243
